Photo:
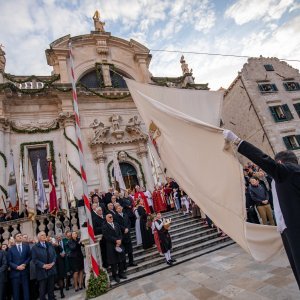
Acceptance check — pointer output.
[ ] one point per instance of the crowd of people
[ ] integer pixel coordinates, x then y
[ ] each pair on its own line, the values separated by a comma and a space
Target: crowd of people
37, 267
259, 197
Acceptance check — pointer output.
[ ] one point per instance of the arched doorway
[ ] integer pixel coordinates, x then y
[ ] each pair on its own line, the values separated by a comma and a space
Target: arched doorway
129, 174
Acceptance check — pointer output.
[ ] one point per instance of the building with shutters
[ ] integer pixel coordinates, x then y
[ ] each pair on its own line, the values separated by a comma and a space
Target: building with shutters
262, 105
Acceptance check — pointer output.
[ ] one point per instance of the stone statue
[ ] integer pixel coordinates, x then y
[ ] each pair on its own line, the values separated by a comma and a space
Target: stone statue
99, 26
122, 156
99, 129
2, 58
115, 120
184, 66
134, 121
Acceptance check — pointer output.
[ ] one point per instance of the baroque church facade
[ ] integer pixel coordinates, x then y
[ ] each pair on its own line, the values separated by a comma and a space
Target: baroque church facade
37, 119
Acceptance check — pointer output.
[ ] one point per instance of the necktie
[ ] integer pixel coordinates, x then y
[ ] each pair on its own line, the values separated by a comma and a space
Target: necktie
112, 225
19, 249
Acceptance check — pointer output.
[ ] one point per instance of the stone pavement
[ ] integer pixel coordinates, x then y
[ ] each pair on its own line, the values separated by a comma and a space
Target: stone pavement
228, 273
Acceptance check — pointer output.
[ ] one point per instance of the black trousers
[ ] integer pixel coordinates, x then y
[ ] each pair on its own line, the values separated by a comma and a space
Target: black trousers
46, 286
292, 248
117, 268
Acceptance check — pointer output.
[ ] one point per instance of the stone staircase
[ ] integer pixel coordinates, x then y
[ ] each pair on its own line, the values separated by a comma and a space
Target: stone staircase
190, 238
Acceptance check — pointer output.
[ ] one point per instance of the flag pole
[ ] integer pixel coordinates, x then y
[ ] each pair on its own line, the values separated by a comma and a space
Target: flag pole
92, 239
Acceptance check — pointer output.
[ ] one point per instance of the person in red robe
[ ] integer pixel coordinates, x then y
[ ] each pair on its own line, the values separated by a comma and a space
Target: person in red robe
159, 201
140, 195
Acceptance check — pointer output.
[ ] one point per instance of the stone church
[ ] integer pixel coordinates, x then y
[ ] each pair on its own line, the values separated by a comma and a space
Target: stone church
37, 119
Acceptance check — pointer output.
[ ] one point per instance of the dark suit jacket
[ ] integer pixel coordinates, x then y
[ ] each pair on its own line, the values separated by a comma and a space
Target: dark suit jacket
97, 223
287, 180
124, 223
16, 259
42, 256
111, 236
3, 266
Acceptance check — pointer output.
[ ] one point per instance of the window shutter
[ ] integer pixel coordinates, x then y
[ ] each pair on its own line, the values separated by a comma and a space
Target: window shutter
274, 87
286, 87
287, 112
287, 143
297, 108
297, 85
260, 88
298, 139
273, 112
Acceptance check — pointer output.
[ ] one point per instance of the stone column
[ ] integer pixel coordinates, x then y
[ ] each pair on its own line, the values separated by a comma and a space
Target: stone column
67, 120
100, 158
142, 60
143, 154
106, 75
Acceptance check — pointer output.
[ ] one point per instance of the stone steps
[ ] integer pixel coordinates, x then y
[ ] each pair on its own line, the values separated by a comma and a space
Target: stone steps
190, 238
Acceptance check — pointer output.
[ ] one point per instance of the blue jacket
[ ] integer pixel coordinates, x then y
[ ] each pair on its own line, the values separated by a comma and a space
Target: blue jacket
42, 256
3, 266
16, 259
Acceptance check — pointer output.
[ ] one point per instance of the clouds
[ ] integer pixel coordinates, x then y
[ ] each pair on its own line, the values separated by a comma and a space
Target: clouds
267, 27
244, 11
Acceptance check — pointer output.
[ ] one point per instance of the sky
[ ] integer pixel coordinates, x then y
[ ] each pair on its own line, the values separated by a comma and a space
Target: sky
241, 27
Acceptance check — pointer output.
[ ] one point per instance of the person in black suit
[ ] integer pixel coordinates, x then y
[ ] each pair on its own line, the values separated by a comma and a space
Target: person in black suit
123, 220
115, 252
98, 221
3, 273
285, 171
44, 258
108, 195
19, 257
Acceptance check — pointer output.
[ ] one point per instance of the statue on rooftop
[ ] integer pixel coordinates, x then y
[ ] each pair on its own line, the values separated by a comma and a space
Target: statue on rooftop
99, 26
2, 58
184, 66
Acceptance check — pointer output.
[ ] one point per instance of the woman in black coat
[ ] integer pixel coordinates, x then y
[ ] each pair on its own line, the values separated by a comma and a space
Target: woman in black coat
60, 265
76, 260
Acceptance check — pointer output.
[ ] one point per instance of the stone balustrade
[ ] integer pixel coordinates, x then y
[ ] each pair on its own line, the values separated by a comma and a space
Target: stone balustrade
52, 225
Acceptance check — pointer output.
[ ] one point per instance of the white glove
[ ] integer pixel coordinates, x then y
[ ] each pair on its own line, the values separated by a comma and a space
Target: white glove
230, 136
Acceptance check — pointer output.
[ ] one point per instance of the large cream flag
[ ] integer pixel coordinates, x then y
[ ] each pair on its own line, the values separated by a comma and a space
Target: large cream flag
193, 152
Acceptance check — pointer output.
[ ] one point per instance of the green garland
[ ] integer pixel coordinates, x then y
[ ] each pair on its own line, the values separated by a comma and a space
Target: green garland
97, 286
4, 191
12, 78
37, 130
130, 157
52, 154
68, 139
4, 158
74, 169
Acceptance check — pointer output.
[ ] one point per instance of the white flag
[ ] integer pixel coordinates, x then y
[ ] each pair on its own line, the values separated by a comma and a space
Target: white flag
42, 200
64, 205
21, 189
31, 203
118, 174
69, 183
12, 184
189, 140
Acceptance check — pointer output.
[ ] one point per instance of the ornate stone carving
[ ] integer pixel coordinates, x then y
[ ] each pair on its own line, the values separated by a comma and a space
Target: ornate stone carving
184, 66
99, 26
66, 118
4, 123
115, 134
31, 126
122, 156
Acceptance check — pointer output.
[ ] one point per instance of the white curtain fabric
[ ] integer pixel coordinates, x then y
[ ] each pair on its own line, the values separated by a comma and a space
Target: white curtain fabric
194, 154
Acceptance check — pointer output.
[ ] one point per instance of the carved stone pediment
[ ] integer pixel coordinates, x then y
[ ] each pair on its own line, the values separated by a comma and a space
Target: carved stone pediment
34, 125
117, 133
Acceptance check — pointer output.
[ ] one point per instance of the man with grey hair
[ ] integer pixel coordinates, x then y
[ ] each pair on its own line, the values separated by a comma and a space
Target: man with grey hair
44, 258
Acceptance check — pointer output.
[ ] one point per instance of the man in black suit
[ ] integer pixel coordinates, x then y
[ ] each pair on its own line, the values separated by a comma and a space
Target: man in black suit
19, 257
285, 171
3, 273
123, 220
108, 195
98, 221
44, 258
113, 236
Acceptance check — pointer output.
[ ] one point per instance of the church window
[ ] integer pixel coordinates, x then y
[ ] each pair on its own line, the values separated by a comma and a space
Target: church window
269, 67
291, 86
281, 113
36, 153
292, 142
267, 87
93, 80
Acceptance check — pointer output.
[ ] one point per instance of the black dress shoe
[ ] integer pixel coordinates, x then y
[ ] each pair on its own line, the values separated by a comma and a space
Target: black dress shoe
173, 260
133, 264
116, 279
169, 263
123, 276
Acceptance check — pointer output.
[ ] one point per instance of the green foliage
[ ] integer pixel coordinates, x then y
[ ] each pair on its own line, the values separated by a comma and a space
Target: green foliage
4, 191
74, 169
4, 158
97, 286
68, 139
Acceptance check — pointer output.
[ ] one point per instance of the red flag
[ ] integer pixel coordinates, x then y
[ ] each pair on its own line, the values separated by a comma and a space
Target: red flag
52, 192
